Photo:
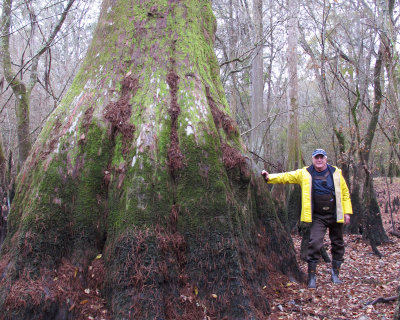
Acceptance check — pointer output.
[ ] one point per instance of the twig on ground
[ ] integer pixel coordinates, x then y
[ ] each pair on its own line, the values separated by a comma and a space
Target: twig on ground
381, 300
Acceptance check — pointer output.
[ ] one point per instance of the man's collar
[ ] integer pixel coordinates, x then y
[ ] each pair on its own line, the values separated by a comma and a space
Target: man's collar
332, 169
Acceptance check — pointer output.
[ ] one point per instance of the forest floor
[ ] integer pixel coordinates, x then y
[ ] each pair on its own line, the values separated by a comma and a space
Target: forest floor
367, 279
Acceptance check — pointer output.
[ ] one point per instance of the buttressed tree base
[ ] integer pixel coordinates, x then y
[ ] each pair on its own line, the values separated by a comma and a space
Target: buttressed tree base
138, 191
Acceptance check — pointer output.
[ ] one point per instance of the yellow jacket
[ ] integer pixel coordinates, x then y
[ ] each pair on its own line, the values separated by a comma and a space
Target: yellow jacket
304, 179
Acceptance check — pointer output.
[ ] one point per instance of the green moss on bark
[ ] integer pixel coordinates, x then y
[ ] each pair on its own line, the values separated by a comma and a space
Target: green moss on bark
202, 186
89, 209
166, 228
60, 214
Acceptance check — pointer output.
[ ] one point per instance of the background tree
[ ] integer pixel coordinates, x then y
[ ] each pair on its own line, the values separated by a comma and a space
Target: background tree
21, 89
36, 72
141, 162
257, 110
294, 156
294, 149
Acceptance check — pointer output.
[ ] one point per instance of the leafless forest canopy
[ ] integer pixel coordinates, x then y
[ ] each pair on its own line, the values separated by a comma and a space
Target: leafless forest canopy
336, 45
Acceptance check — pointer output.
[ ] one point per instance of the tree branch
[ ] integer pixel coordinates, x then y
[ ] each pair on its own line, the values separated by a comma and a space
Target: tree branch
262, 121
35, 59
381, 299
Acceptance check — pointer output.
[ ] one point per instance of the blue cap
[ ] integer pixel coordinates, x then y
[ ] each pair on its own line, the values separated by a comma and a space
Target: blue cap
319, 151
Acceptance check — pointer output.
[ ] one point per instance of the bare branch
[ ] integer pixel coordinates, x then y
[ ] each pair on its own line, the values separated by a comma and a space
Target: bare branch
262, 121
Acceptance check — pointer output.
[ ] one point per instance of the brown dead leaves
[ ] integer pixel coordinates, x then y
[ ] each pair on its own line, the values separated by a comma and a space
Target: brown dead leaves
118, 113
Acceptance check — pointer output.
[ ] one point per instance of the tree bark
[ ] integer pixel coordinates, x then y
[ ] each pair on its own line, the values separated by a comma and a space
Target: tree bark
355, 226
142, 163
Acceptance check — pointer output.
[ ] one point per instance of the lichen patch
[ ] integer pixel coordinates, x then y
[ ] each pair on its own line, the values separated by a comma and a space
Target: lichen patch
146, 137
189, 129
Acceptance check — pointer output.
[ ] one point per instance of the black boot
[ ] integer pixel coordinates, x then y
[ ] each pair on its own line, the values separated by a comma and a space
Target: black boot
312, 281
335, 271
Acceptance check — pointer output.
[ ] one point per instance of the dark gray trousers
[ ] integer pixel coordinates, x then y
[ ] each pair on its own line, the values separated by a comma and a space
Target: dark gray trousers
320, 223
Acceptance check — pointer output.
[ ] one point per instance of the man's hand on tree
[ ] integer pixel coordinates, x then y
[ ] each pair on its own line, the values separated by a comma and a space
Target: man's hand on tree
346, 219
265, 174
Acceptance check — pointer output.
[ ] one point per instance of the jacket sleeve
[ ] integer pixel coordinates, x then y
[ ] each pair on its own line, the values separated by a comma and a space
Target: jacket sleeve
346, 201
285, 177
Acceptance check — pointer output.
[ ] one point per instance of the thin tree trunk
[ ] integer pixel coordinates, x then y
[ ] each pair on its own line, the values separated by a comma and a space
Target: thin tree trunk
294, 156
257, 82
3, 168
234, 101
294, 150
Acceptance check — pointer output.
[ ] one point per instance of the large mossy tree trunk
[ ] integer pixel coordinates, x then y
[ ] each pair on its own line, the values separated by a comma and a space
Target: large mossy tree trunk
142, 164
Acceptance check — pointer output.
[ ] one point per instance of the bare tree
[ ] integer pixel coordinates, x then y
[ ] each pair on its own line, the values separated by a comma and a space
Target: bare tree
257, 110
23, 89
294, 157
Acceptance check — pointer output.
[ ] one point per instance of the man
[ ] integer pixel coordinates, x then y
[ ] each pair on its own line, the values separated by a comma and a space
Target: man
325, 203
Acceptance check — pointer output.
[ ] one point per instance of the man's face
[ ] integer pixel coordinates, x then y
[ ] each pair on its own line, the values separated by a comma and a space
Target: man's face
319, 162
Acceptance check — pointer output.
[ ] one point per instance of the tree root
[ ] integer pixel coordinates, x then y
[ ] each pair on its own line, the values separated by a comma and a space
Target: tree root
375, 249
395, 233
